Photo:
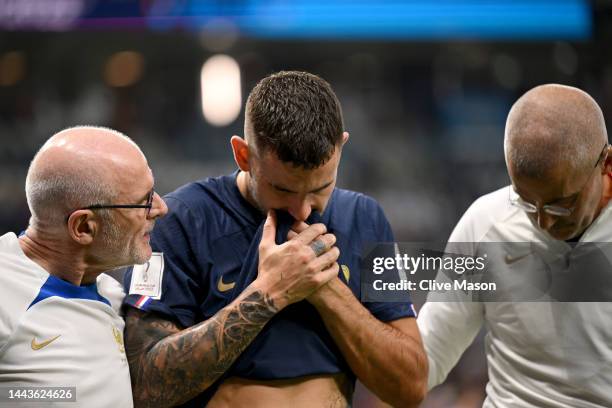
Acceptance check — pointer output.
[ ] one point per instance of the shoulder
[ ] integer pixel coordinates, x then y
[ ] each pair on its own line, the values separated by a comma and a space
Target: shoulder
493, 201
111, 290
20, 282
199, 214
355, 202
484, 214
15, 265
356, 212
197, 195
6, 240
195, 206
10, 248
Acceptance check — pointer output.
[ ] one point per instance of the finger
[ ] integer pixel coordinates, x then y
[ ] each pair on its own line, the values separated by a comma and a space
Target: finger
268, 236
309, 234
328, 258
322, 244
317, 246
299, 226
296, 228
329, 273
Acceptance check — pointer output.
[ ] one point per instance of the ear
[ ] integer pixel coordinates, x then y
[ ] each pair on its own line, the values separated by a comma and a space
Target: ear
607, 161
345, 137
240, 148
82, 227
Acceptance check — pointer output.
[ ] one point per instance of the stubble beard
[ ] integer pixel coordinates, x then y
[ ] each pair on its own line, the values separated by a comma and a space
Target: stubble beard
119, 249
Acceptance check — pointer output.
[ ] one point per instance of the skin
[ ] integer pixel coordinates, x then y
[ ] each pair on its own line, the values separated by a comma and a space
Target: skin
75, 251
304, 392
551, 112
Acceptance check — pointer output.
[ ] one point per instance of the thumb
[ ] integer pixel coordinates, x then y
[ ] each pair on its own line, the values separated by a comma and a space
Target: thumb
268, 236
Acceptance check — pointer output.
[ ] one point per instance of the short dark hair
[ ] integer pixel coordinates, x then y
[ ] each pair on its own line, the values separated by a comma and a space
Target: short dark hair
297, 116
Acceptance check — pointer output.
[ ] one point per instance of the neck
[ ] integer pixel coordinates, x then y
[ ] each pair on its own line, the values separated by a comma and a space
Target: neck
56, 256
243, 186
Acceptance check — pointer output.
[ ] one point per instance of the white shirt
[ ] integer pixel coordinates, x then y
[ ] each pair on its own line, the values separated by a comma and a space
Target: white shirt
539, 354
53, 333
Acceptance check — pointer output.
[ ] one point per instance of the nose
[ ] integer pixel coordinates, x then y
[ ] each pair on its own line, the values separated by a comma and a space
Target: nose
545, 220
159, 208
300, 209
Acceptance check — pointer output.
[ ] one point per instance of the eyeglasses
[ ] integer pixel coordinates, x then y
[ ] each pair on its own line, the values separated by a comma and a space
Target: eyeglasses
554, 210
148, 205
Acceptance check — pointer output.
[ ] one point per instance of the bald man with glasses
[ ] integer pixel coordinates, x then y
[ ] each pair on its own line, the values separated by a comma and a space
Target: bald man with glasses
92, 203
553, 353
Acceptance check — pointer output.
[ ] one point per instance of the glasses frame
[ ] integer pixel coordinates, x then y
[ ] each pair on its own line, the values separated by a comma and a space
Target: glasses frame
555, 210
148, 205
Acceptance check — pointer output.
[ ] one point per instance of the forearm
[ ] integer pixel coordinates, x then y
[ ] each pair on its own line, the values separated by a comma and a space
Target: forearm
390, 362
180, 366
447, 329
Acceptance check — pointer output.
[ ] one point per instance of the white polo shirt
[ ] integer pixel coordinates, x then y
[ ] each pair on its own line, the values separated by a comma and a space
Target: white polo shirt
53, 333
538, 354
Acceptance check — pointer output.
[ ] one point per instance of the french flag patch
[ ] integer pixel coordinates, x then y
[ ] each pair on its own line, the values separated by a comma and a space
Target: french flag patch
142, 302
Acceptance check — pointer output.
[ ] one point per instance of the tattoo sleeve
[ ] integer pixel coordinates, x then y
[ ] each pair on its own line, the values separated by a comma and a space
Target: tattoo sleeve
170, 366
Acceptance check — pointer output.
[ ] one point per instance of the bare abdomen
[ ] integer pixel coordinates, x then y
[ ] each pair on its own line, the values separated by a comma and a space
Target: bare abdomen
333, 391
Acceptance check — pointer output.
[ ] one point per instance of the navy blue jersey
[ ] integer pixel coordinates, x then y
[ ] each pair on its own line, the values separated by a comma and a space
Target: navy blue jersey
210, 240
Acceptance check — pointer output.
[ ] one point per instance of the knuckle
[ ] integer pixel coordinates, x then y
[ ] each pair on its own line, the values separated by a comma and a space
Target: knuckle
320, 227
311, 269
294, 246
334, 252
331, 238
304, 257
318, 280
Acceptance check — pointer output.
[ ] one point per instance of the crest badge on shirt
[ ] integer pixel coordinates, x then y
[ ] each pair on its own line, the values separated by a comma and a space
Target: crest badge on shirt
147, 278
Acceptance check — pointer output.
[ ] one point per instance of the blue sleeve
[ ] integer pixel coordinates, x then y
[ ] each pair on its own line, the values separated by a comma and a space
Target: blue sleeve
178, 237
386, 311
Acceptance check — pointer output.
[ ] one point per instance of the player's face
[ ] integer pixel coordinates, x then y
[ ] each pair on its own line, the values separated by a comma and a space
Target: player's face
581, 194
126, 234
274, 184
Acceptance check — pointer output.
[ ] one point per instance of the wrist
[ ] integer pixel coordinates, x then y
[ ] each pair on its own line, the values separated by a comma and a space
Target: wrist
278, 299
325, 293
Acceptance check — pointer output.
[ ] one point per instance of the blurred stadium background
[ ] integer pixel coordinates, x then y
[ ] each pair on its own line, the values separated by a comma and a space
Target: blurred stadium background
425, 87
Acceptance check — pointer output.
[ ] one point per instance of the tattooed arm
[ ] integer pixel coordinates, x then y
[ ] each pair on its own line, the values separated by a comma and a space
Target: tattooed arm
170, 366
